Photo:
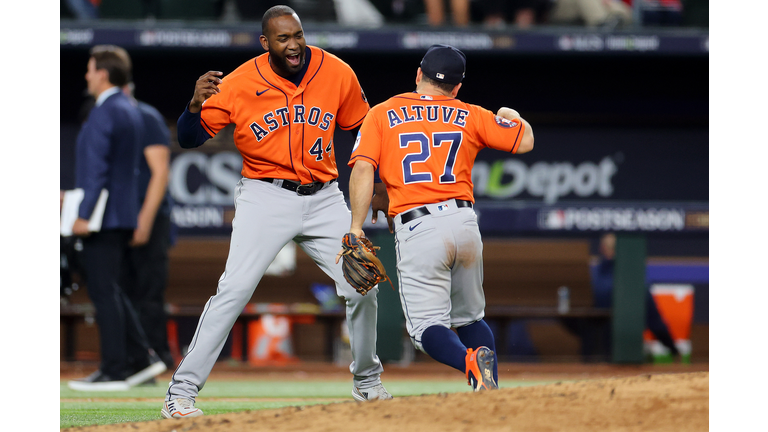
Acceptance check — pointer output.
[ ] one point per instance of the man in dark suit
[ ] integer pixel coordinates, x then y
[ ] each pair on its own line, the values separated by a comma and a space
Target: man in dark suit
107, 157
145, 273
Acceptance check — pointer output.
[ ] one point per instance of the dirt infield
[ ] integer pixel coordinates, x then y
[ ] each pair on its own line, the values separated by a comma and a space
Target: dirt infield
627, 402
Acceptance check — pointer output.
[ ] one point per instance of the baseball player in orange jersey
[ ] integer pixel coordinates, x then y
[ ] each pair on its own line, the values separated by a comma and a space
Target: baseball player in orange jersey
285, 104
424, 145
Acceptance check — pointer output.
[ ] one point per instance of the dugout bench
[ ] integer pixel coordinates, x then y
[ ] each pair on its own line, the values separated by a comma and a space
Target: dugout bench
521, 282
195, 265
73, 315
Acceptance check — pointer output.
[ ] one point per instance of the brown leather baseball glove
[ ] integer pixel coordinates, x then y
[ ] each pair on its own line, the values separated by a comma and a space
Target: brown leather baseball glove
362, 268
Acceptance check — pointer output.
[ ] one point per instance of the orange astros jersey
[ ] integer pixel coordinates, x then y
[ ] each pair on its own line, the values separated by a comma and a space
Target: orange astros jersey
283, 131
425, 146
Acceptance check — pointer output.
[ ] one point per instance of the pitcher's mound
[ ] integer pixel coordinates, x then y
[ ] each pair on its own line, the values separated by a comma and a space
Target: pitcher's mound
676, 402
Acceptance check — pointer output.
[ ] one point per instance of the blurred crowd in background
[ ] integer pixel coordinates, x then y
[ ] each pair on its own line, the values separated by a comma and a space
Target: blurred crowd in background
487, 14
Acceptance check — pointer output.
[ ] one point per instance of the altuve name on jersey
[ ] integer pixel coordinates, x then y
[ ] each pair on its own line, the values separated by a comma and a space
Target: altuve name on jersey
432, 113
280, 117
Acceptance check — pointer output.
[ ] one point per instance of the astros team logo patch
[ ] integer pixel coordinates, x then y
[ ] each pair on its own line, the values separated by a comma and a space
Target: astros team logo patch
501, 121
362, 93
357, 142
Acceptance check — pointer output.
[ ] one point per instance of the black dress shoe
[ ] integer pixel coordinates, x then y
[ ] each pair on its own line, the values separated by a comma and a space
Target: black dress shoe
146, 372
98, 381
98, 376
170, 363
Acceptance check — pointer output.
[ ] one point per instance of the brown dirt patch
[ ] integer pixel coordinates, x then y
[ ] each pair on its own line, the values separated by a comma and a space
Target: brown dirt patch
674, 402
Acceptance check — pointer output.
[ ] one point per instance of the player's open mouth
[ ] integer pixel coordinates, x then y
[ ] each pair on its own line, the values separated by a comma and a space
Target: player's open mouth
293, 59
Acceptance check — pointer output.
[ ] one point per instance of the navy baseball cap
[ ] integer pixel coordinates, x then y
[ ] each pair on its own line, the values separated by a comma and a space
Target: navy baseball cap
444, 63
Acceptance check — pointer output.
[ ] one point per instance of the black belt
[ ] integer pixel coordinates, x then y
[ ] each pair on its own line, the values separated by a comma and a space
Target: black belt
301, 189
423, 211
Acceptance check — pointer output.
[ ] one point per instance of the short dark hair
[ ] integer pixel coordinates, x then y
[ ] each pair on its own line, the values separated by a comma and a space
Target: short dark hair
115, 61
274, 12
441, 85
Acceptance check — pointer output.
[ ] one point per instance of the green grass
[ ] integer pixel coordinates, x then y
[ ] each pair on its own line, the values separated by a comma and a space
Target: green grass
99, 413
144, 403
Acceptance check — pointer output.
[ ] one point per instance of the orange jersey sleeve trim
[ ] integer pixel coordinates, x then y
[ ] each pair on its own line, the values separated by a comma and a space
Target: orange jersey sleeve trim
370, 160
518, 139
354, 125
207, 128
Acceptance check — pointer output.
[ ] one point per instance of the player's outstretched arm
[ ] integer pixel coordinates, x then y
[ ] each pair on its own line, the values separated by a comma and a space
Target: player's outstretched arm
526, 143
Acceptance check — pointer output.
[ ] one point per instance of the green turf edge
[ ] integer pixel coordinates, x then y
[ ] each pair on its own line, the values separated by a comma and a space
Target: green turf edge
74, 414
79, 408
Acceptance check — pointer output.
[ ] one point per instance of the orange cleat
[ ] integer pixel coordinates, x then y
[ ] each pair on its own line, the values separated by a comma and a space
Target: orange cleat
480, 369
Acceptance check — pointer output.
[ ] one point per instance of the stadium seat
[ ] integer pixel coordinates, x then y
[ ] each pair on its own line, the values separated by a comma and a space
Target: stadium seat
121, 9
315, 10
696, 13
65, 12
252, 10
191, 9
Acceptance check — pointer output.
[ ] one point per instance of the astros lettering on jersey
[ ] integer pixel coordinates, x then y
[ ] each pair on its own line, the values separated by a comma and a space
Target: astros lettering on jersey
284, 131
431, 144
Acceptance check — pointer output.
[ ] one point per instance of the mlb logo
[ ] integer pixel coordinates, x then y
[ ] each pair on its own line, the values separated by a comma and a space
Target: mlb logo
552, 220
442, 207
426, 97
440, 76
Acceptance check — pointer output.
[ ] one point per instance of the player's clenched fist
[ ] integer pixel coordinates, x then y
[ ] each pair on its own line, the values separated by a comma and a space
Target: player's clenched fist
205, 87
508, 113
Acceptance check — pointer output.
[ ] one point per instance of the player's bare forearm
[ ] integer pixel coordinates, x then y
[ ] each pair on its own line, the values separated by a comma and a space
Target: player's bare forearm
526, 143
360, 192
380, 203
205, 87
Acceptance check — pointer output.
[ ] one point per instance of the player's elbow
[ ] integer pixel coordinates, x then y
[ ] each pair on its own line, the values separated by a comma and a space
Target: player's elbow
189, 139
363, 169
187, 144
526, 143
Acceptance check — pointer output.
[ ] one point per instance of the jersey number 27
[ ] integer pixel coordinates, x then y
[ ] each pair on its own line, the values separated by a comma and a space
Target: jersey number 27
425, 150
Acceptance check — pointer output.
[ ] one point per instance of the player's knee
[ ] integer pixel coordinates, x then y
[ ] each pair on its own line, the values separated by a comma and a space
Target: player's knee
356, 299
417, 344
417, 331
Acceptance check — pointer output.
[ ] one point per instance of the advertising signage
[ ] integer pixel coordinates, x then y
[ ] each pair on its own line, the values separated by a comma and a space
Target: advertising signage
574, 180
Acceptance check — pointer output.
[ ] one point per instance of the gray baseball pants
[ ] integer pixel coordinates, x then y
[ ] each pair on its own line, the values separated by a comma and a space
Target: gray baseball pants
266, 218
440, 269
